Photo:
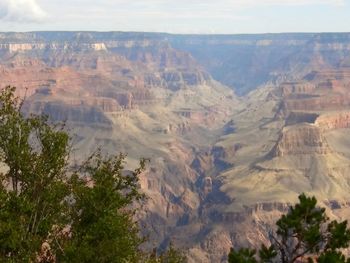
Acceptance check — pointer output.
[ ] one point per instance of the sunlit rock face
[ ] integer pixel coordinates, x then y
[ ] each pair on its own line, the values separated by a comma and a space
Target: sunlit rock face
223, 168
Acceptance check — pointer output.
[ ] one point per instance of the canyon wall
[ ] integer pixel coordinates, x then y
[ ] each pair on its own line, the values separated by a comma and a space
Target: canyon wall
222, 168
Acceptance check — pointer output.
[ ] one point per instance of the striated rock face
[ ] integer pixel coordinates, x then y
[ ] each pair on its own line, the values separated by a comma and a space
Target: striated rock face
175, 80
207, 116
105, 104
267, 57
334, 121
138, 96
294, 137
60, 112
181, 128
294, 89
101, 103
12, 48
335, 102
301, 139
24, 47
222, 169
323, 90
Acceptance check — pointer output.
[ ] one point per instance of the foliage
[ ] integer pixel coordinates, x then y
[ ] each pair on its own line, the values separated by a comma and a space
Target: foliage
49, 213
244, 255
171, 255
34, 157
100, 231
303, 233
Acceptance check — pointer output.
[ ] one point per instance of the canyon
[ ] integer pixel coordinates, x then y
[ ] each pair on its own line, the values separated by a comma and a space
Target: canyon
235, 126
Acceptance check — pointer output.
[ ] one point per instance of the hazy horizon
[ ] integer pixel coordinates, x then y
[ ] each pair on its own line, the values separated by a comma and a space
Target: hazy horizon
169, 33
181, 17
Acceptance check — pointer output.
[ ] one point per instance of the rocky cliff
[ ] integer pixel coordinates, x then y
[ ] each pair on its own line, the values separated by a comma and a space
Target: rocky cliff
141, 97
222, 168
230, 59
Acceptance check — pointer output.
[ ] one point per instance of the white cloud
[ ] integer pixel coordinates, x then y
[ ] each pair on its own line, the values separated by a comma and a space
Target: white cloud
21, 11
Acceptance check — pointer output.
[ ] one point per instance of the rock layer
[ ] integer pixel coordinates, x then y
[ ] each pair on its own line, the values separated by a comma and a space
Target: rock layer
222, 169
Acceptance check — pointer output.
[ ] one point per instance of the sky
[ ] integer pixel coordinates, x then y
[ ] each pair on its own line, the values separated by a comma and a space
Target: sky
177, 16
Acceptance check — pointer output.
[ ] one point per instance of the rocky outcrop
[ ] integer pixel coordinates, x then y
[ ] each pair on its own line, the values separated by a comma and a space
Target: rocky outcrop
130, 100
331, 102
213, 181
180, 128
60, 112
175, 80
142, 96
267, 57
206, 116
104, 104
301, 139
293, 88
25, 47
322, 90
334, 121
22, 47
